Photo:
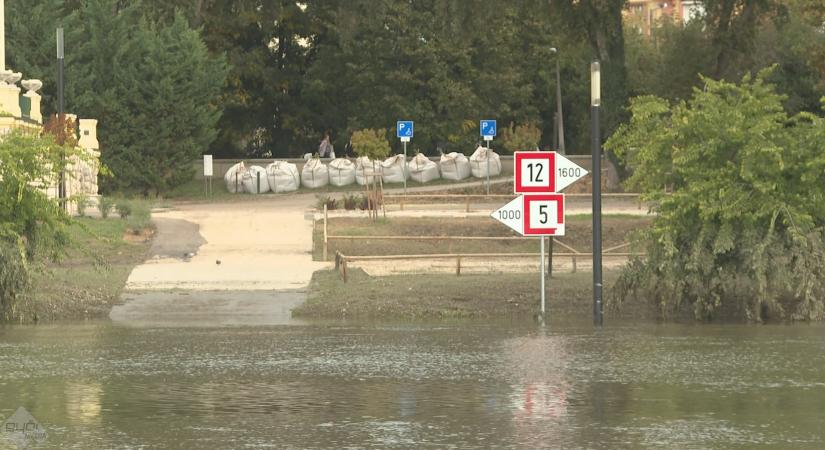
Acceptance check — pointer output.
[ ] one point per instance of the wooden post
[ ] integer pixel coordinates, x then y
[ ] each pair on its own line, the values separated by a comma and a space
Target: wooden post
458, 265
344, 269
326, 233
574, 264
468, 204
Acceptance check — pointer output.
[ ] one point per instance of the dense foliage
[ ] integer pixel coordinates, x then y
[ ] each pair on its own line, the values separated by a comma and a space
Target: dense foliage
741, 231
30, 223
298, 69
154, 86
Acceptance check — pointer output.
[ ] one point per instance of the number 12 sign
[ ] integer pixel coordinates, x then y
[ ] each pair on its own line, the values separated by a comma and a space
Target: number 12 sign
545, 172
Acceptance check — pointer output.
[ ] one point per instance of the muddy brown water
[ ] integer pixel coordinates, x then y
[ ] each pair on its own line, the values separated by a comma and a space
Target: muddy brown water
174, 385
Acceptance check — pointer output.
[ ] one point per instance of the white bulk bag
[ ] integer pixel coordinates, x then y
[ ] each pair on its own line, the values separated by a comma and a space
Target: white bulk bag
341, 172
283, 177
422, 169
315, 174
478, 162
255, 181
454, 166
365, 169
232, 178
393, 169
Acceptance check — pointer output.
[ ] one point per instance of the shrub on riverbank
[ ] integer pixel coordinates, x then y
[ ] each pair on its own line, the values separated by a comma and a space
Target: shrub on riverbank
742, 231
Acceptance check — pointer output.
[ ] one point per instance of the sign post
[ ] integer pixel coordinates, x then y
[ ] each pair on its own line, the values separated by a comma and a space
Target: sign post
488, 132
404, 131
539, 209
207, 175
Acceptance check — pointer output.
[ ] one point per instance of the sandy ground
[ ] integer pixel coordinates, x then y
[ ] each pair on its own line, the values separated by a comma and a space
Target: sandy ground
243, 246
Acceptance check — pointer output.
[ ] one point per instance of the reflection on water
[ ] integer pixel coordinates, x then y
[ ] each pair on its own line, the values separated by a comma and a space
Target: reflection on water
97, 385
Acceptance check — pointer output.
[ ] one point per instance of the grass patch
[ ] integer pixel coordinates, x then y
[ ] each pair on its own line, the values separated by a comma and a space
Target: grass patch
616, 230
447, 296
89, 280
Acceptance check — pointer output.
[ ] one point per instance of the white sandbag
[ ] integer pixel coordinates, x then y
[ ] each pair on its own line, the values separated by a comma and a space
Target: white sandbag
283, 177
365, 169
232, 178
341, 172
393, 169
478, 162
254, 180
314, 174
422, 169
454, 166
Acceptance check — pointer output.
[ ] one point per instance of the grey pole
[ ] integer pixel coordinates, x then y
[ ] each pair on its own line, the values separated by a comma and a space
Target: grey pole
405, 168
61, 188
559, 113
489, 150
595, 105
541, 273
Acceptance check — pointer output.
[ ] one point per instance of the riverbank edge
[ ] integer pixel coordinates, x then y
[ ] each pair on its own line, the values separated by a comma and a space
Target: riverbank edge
447, 296
88, 282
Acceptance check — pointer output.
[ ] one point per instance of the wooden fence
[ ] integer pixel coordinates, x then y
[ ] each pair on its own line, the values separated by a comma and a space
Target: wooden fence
342, 261
468, 199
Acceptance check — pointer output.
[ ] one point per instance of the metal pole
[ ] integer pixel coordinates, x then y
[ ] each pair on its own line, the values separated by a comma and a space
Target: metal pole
558, 108
541, 272
598, 313
405, 168
61, 117
489, 150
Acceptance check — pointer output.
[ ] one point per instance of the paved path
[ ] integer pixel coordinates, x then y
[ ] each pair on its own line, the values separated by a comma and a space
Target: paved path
262, 245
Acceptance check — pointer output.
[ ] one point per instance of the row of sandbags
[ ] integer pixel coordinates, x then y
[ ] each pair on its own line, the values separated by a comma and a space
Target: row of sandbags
282, 176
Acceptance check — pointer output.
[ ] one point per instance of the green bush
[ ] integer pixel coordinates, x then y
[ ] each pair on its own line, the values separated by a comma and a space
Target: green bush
124, 209
521, 138
351, 201
141, 216
742, 230
82, 202
105, 205
371, 143
330, 201
14, 278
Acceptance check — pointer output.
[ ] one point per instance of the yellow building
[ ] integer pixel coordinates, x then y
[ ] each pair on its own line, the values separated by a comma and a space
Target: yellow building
644, 15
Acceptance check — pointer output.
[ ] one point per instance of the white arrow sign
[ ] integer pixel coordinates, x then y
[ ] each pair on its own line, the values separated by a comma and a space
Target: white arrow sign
544, 172
567, 172
534, 215
512, 214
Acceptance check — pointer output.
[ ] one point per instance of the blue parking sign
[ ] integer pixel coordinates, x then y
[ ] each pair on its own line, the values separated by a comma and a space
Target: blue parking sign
488, 128
404, 129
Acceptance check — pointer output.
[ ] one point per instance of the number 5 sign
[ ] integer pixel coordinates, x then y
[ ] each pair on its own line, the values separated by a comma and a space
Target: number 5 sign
534, 215
544, 172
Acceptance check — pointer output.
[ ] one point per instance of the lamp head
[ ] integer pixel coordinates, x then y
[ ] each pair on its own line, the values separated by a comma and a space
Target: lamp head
595, 84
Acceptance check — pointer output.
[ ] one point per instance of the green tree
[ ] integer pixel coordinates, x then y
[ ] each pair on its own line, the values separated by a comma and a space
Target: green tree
155, 88
742, 231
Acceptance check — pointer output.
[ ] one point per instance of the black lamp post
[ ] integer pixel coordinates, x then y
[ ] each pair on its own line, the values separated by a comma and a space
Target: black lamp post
595, 105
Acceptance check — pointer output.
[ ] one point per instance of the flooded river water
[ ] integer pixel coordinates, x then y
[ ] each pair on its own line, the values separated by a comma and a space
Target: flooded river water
442, 385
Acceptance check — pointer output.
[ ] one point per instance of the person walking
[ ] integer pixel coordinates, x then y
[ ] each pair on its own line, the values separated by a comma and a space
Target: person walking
325, 149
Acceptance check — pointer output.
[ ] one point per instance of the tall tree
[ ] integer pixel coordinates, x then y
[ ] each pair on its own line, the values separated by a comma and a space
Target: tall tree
154, 88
